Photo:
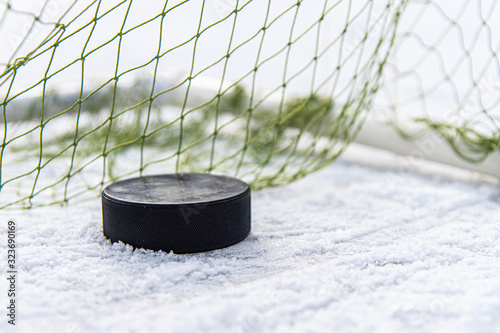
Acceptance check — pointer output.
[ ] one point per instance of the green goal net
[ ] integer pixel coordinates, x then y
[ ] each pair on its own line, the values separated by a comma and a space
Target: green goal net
268, 91
444, 75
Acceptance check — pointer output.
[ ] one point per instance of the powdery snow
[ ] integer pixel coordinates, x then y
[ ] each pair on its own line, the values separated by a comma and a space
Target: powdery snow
351, 248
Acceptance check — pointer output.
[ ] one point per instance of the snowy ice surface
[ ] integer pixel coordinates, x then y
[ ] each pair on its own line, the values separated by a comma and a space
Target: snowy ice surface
352, 248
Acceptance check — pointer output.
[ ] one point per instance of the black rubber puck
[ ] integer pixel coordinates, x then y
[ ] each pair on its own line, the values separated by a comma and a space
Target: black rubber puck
183, 213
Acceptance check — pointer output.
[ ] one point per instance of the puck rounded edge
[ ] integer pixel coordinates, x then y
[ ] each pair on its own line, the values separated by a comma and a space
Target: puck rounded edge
182, 213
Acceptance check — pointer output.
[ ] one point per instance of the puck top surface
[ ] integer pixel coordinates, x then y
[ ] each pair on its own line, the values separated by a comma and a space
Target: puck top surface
175, 189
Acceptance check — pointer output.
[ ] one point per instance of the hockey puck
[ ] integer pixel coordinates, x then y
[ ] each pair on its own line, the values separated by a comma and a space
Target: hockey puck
183, 213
